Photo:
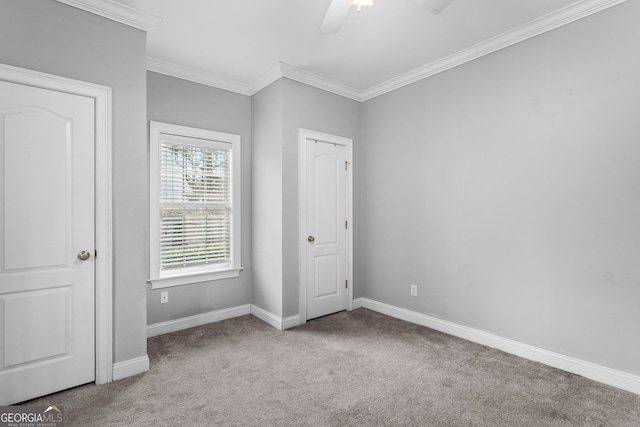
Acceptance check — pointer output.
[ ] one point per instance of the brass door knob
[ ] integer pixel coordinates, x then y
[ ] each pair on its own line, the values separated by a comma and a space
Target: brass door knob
311, 239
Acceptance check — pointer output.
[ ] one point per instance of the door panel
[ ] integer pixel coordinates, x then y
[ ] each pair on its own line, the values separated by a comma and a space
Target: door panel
326, 211
51, 332
327, 206
26, 161
327, 276
47, 296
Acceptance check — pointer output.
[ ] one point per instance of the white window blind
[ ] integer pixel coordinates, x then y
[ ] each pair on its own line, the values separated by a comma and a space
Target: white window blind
195, 203
195, 209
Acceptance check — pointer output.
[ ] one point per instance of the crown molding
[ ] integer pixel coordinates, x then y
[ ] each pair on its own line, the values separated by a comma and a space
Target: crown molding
269, 77
564, 16
299, 75
282, 70
559, 18
186, 73
117, 12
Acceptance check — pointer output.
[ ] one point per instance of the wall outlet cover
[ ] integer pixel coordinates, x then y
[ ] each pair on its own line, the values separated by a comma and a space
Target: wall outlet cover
414, 290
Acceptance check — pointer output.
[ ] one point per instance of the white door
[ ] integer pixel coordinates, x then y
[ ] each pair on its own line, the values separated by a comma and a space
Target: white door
46, 222
326, 223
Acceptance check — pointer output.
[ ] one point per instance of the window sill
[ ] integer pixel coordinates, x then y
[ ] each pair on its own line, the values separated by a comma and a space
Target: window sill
191, 278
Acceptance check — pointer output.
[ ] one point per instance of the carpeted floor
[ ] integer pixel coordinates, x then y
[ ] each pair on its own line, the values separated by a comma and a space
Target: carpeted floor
357, 368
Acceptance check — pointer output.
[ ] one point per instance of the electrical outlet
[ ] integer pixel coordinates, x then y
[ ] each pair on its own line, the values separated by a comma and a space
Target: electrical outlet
414, 290
164, 297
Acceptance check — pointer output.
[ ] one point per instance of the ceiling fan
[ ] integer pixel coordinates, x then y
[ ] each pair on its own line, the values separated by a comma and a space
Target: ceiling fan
339, 9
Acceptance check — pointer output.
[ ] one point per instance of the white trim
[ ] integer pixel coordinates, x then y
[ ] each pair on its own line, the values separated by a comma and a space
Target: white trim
219, 315
275, 321
291, 321
197, 320
117, 12
282, 70
103, 202
266, 317
130, 367
612, 377
559, 18
269, 77
551, 21
191, 278
303, 135
181, 72
357, 303
319, 82
104, 238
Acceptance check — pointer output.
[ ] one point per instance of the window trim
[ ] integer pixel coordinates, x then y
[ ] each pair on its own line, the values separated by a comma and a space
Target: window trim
159, 279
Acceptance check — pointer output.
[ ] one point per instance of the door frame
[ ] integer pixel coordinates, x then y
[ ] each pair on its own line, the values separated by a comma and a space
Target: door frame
103, 202
303, 135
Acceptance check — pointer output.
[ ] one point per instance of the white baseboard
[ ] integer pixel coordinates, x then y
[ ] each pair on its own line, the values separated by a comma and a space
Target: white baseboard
197, 320
612, 377
273, 320
586, 369
224, 314
130, 367
291, 321
266, 316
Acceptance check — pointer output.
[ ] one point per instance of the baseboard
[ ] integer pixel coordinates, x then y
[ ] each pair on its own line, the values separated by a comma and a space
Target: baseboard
586, 369
266, 316
224, 314
130, 367
197, 320
291, 321
273, 320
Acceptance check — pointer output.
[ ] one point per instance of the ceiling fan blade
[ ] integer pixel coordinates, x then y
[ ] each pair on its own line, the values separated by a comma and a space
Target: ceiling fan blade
335, 16
435, 6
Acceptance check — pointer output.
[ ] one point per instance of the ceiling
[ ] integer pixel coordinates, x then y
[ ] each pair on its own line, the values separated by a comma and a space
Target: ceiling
242, 40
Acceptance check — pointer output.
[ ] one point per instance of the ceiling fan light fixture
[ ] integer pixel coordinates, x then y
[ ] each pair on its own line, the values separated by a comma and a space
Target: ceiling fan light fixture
360, 3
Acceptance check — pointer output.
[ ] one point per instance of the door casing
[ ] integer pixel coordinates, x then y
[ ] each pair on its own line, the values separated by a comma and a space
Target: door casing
303, 135
103, 201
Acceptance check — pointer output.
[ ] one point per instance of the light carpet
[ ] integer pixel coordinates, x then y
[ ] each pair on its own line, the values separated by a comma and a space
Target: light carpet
357, 368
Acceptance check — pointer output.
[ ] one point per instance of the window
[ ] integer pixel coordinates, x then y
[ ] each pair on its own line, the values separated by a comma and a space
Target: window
194, 205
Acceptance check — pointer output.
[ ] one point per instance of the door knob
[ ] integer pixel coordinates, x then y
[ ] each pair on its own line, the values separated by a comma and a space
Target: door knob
311, 239
84, 255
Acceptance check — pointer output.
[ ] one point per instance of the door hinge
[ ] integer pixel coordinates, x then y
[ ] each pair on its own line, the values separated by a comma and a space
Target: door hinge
95, 254
346, 224
346, 284
346, 164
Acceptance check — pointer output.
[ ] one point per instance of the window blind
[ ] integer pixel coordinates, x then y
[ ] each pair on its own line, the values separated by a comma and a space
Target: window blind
195, 204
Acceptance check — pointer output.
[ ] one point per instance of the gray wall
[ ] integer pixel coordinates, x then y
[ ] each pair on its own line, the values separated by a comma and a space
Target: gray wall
50, 37
278, 112
185, 103
314, 109
508, 190
266, 115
